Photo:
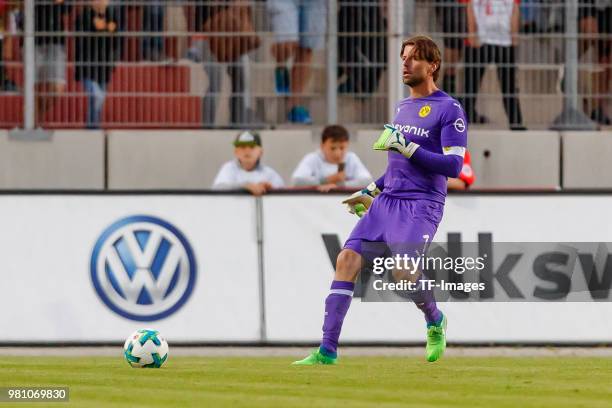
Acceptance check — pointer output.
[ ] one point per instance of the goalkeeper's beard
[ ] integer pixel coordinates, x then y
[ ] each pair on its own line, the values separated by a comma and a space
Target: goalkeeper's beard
413, 81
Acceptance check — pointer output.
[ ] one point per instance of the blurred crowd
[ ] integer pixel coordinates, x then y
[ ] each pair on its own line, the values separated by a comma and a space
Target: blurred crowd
223, 33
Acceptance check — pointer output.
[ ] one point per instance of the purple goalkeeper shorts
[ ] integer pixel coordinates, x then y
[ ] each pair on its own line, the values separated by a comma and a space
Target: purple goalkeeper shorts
402, 224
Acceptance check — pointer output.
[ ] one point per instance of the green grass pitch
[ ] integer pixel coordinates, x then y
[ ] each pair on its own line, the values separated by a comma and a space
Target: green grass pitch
356, 382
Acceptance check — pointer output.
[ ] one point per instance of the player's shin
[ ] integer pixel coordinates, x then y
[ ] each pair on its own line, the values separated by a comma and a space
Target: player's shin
423, 298
336, 307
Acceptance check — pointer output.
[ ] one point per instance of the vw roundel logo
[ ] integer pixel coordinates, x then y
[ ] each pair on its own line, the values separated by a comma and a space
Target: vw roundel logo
143, 268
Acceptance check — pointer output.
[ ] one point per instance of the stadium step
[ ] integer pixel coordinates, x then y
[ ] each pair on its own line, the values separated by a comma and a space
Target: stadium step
138, 77
15, 72
68, 111
150, 78
152, 111
11, 110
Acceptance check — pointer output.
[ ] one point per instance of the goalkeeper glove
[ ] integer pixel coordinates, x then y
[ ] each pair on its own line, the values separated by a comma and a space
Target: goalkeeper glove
393, 139
360, 201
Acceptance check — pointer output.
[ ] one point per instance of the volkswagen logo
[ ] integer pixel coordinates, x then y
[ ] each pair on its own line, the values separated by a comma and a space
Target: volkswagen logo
143, 268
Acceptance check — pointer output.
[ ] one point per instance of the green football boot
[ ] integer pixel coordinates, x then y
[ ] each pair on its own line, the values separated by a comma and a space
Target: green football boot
316, 357
436, 340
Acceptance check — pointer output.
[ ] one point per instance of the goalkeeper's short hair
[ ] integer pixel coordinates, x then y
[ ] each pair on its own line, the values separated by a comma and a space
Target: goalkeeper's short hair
425, 49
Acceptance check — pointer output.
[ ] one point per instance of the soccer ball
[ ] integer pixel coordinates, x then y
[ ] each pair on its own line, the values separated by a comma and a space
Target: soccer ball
145, 348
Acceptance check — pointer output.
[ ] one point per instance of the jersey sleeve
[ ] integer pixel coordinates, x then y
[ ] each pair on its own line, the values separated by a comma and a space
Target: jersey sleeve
454, 130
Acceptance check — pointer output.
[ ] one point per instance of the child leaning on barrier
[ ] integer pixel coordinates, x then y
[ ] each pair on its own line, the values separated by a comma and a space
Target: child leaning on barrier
247, 171
333, 165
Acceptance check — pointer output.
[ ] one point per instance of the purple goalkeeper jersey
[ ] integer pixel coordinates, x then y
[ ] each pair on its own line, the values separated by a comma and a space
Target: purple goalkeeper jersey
437, 123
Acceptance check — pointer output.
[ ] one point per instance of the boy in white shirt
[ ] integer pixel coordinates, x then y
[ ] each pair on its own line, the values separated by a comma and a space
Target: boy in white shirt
332, 166
246, 171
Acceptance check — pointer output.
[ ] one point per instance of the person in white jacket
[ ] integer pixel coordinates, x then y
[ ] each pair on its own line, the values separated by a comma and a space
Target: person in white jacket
332, 166
246, 171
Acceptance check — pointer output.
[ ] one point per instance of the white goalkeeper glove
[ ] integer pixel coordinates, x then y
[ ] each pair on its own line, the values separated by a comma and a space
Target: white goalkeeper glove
393, 139
360, 201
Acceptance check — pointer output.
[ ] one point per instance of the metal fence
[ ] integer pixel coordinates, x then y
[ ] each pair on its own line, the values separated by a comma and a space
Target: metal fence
206, 64
534, 63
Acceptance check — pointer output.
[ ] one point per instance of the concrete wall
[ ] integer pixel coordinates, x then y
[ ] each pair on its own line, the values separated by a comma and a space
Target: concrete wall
283, 149
141, 160
69, 159
506, 159
587, 159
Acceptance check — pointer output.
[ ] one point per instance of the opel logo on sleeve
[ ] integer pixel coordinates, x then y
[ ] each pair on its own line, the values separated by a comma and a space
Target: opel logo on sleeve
143, 268
459, 125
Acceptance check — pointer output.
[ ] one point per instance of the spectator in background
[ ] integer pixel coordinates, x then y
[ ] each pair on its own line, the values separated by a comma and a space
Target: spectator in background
362, 46
332, 166
466, 177
299, 27
595, 17
493, 27
153, 13
221, 54
153, 22
452, 19
95, 55
50, 52
5, 15
536, 16
246, 171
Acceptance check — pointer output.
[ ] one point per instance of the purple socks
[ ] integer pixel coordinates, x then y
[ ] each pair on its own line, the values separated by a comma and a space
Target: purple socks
339, 300
336, 306
424, 299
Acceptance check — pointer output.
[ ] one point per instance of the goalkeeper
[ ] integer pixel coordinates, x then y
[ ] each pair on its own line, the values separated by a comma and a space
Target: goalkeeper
425, 145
